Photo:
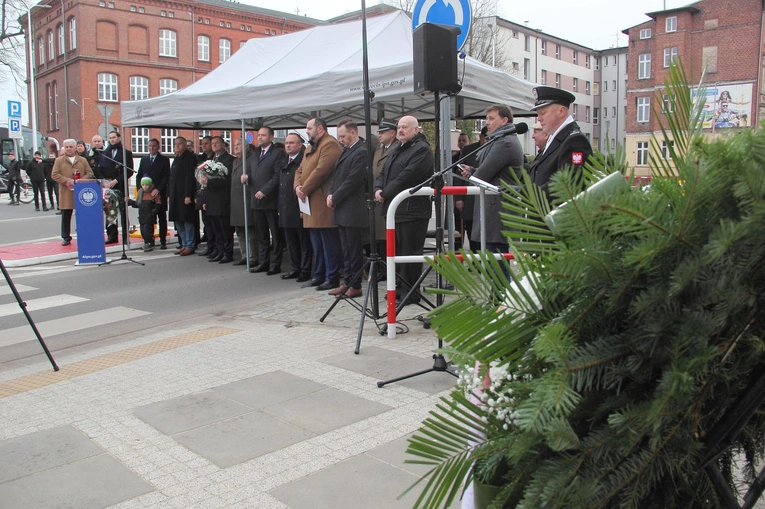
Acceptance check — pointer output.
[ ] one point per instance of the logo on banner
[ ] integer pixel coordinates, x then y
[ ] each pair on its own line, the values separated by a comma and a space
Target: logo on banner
88, 197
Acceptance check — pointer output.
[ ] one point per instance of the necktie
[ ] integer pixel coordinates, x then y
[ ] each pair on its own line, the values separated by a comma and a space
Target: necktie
291, 158
151, 159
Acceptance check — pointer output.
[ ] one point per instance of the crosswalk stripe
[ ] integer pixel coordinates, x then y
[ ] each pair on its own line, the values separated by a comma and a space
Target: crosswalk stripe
69, 324
53, 301
6, 290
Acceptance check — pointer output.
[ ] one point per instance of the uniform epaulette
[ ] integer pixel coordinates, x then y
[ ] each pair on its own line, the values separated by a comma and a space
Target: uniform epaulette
575, 131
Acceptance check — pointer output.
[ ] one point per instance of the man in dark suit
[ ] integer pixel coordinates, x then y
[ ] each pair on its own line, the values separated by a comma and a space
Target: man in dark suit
157, 168
14, 178
566, 146
217, 205
298, 238
347, 197
208, 235
110, 168
180, 192
263, 179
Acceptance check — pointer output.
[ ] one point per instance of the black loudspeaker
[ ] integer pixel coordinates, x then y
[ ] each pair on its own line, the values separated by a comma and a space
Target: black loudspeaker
435, 58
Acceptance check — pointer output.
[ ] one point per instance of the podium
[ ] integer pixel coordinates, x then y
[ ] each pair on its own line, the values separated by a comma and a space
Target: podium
88, 205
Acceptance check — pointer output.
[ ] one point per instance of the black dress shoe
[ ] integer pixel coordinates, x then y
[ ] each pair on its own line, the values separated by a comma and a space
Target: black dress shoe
313, 282
304, 276
263, 267
273, 271
215, 258
291, 274
65, 242
207, 252
226, 259
163, 246
241, 262
328, 285
111, 241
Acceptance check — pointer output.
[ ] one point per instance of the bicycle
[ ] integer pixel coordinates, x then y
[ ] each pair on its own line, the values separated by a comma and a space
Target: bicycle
26, 195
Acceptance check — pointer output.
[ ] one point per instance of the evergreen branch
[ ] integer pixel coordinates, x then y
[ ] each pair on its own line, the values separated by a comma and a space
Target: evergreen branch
690, 201
645, 220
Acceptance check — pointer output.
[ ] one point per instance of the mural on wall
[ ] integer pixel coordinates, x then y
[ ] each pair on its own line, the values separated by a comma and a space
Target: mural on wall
727, 106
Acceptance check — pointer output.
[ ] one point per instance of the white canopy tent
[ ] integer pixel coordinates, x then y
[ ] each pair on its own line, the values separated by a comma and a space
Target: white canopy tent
281, 81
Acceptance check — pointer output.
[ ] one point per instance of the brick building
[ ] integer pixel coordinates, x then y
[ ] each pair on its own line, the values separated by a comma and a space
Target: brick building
722, 39
92, 54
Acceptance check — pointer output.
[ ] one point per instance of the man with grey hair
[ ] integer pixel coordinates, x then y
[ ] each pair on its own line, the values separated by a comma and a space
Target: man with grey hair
64, 172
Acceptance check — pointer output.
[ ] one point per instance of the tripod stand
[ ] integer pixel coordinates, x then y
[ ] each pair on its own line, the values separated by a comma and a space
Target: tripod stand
123, 211
23, 306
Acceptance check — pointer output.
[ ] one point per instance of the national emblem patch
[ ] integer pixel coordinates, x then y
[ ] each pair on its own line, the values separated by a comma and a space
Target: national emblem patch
577, 157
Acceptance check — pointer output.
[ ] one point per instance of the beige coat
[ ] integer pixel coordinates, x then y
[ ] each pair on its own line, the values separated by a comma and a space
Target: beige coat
315, 175
62, 173
378, 162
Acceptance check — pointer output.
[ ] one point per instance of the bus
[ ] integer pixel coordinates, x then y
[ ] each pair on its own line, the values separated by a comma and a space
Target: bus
22, 147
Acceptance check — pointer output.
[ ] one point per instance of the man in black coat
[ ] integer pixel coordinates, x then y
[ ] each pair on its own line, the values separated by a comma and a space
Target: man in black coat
14, 178
218, 205
298, 238
110, 168
347, 197
208, 235
51, 184
36, 171
567, 146
157, 168
463, 204
181, 188
263, 179
408, 164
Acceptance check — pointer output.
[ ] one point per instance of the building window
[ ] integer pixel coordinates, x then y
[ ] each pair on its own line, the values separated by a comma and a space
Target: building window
228, 24
644, 66
202, 134
557, 80
666, 105
587, 61
543, 78
605, 61
645, 33
544, 47
241, 27
61, 40
226, 135
41, 43
141, 10
576, 57
613, 111
207, 21
614, 60
526, 69
515, 34
605, 112
55, 105
171, 14
72, 34
666, 150
643, 109
167, 139
576, 84
139, 88
101, 3
203, 48
49, 93
670, 55
107, 87
111, 5
671, 24
587, 87
139, 139
167, 46
51, 48
586, 113
133, 9
605, 86
224, 49
557, 51
575, 111
222, 24
249, 28
526, 43
595, 116
613, 85
200, 20
242, 43
597, 63
167, 86
162, 13
642, 153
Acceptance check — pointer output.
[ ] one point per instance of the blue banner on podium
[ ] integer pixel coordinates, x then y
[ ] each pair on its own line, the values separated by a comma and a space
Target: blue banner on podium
88, 205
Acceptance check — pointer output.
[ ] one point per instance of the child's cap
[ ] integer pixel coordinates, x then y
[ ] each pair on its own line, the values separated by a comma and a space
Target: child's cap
146, 181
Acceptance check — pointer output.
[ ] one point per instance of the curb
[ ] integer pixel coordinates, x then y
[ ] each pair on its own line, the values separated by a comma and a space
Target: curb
39, 260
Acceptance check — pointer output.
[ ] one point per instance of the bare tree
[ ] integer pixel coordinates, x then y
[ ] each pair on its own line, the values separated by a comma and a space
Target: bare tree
479, 41
12, 42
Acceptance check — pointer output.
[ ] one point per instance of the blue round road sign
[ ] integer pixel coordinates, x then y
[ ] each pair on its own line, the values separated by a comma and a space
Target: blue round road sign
455, 13
249, 137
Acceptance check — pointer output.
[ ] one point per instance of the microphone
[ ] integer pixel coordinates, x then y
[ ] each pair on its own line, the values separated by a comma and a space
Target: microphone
521, 128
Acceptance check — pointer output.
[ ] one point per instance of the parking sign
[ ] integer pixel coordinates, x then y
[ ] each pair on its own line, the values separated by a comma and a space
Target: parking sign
14, 109
14, 128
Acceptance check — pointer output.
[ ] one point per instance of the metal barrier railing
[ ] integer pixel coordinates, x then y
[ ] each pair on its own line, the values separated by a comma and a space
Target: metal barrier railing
390, 235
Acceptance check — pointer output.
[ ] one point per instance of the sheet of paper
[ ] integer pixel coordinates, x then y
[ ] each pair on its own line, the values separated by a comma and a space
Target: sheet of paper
305, 206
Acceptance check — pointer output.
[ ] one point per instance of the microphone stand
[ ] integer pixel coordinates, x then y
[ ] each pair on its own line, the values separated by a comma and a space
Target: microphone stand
125, 234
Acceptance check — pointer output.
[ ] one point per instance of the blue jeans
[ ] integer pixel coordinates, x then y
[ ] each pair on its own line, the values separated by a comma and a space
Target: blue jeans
328, 253
186, 233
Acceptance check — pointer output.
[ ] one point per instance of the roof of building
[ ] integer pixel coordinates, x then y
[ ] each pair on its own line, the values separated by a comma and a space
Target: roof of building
375, 10
690, 7
260, 10
538, 33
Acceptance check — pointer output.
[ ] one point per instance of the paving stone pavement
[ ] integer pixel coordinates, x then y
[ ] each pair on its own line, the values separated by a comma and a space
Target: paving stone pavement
259, 407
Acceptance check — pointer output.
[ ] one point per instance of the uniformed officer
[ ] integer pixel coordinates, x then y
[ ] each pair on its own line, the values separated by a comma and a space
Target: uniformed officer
566, 146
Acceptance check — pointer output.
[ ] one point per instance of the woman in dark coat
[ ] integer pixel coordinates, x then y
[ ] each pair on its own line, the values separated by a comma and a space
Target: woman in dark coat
180, 194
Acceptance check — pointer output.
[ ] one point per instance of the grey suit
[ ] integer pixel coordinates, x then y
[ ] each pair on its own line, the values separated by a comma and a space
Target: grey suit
495, 163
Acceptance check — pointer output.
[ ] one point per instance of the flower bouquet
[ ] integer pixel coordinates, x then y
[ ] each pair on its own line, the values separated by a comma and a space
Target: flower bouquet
111, 204
210, 170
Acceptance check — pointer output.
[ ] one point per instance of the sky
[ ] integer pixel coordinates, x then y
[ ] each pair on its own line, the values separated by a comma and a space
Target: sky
593, 23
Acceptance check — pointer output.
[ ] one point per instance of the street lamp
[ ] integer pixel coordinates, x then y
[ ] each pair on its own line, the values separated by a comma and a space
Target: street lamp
82, 108
33, 88
493, 45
